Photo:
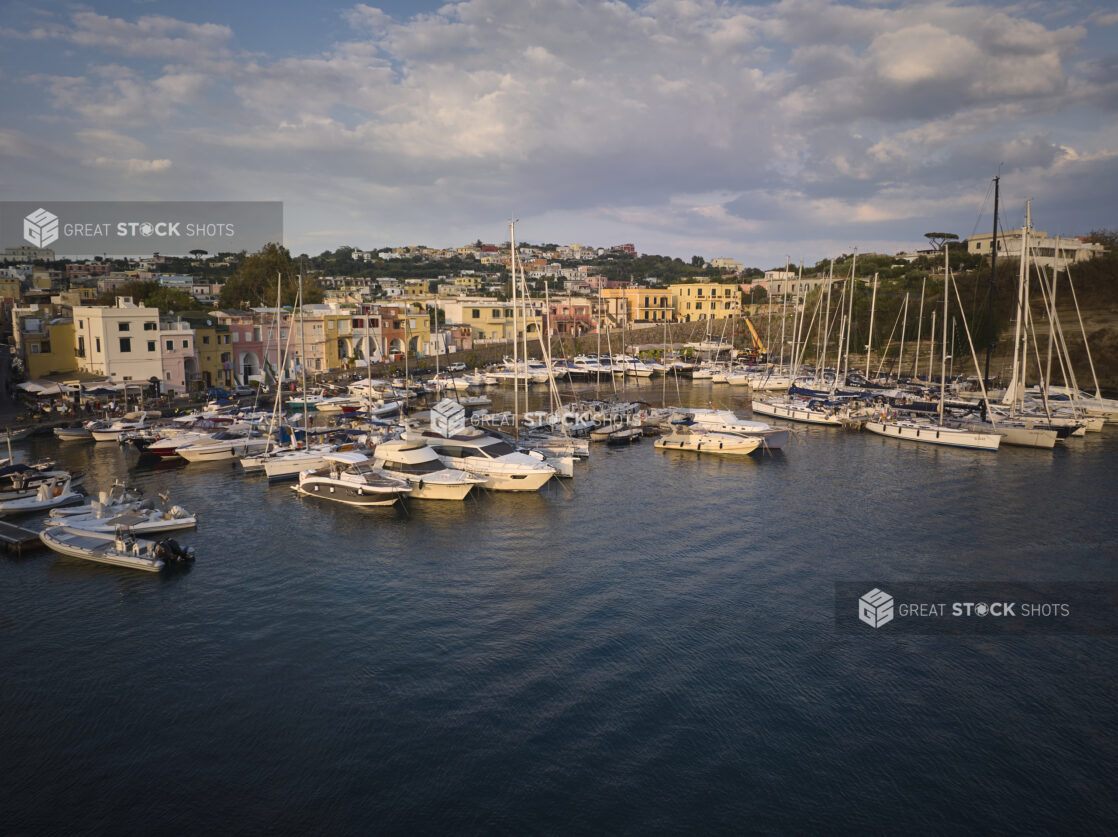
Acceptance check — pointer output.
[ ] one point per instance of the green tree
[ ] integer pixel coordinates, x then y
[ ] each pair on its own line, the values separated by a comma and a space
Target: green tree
254, 283
153, 295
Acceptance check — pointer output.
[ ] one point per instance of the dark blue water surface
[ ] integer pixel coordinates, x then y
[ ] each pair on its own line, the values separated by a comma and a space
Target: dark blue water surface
647, 648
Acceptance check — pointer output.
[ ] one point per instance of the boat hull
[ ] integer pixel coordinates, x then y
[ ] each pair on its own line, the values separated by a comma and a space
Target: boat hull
933, 435
91, 546
792, 413
348, 495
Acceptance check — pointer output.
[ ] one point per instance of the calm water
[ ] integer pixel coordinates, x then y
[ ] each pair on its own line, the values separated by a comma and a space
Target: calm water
647, 648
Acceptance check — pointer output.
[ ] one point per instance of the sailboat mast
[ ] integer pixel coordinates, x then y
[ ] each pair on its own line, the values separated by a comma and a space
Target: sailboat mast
515, 334
850, 315
303, 352
783, 311
904, 327
869, 343
919, 331
990, 286
826, 327
943, 355
1052, 321
931, 347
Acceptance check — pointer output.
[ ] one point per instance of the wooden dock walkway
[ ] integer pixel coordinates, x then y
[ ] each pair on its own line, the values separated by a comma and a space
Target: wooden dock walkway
16, 538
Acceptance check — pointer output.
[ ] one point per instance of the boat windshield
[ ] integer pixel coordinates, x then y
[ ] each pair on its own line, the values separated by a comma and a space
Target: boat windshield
496, 449
428, 467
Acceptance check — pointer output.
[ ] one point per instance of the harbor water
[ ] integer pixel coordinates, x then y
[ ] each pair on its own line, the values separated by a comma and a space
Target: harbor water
649, 647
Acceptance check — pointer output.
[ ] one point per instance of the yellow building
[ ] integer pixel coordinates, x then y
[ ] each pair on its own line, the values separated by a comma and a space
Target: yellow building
9, 287
490, 319
705, 301
637, 304
213, 348
47, 346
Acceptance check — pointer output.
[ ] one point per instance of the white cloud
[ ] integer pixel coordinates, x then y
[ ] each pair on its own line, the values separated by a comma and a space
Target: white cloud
833, 116
130, 165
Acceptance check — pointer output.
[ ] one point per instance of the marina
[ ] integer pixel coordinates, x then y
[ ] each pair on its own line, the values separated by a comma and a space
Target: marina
667, 619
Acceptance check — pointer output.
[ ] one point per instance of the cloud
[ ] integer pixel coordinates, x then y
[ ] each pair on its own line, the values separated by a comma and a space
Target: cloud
681, 120
130, 165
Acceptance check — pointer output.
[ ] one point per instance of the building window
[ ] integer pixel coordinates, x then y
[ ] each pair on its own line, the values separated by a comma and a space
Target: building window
123, 326
126, 344
149, 327
476, 314
186, 344
236, 337
98, 339
34, 348
205, 340
151, 345
170, 345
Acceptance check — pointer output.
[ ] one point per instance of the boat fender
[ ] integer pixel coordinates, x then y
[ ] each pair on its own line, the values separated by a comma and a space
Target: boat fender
421, 485
57, 491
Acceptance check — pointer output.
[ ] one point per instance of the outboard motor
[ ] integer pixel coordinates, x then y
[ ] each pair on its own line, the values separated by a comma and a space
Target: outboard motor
170, 552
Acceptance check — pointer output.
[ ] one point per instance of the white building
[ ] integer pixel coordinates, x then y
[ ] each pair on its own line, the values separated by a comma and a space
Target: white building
1042, 247
120, 342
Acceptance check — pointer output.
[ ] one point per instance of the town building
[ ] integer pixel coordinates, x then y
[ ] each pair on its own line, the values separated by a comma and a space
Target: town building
1042, 247
704, 301
120, 342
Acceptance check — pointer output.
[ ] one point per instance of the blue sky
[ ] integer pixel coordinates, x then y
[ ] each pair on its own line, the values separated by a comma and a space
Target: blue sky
799, 129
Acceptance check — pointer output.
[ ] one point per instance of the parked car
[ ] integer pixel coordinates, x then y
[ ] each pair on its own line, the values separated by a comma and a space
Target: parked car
456, 367
243, 390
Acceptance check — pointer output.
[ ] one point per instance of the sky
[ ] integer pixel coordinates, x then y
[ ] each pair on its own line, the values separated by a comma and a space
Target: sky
763, 132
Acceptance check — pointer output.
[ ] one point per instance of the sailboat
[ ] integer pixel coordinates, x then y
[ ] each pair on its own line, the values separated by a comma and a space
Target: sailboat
937, 432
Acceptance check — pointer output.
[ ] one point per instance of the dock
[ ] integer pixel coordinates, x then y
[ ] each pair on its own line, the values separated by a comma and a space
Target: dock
16, 538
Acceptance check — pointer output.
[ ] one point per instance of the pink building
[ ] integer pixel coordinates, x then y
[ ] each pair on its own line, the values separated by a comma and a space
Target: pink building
180, 362
248, 346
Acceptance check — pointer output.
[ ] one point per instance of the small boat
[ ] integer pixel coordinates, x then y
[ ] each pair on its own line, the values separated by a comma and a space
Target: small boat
138, 520
51, 493
108, 503
121, 548
351, 478
18, 435
112, 432
689, 437
73, 433
625, 436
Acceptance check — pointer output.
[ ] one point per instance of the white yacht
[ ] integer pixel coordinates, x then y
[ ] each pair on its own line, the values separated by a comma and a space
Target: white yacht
222, 445
288, 463
694, 438
351, 478
421, 466
725, 421
112, 432
504, 468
